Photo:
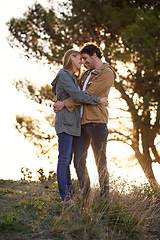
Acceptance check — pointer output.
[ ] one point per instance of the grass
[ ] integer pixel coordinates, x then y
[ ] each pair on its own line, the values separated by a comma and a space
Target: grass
34, 210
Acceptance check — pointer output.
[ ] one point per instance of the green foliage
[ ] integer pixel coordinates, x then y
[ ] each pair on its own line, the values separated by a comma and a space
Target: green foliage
143, 38
52, 176
40, 94
41, 173
32, 211
40, 33
33, 132
6, 191
27, 174
11, 222
45, 93
28, 123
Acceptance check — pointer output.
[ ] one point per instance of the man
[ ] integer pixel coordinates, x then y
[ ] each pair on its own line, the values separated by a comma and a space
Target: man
97, 80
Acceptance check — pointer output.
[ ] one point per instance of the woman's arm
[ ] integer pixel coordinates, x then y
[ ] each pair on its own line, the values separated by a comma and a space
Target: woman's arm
68, 85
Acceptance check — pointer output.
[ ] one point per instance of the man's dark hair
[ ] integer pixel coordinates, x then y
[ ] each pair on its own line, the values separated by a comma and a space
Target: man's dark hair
90, 49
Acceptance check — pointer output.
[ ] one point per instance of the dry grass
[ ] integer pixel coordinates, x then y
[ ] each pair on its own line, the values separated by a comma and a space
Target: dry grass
33, 210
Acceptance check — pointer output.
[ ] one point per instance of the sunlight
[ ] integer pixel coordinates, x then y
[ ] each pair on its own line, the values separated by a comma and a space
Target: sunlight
156, 170
128, 173
123, 68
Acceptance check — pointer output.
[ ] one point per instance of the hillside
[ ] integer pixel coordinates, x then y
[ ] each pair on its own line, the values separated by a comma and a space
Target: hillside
34, 210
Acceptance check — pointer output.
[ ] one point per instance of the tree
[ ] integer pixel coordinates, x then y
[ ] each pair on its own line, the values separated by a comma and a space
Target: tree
39, 131
141, 88
128, 31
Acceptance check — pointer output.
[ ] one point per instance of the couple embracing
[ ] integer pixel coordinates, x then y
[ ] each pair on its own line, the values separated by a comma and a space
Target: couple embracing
82, 117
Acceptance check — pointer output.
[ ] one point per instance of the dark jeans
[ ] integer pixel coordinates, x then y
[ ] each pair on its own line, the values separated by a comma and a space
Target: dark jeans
95, 134
63, 168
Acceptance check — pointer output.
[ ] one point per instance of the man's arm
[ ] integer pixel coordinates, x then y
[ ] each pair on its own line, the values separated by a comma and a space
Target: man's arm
57, 106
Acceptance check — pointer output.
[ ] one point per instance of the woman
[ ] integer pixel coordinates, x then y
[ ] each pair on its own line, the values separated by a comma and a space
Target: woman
67, 124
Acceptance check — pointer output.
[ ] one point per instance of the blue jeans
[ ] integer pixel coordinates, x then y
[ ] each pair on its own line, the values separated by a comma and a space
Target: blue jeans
63, 168
95, 134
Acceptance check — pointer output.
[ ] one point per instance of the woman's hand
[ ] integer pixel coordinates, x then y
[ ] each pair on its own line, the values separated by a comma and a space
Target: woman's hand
57, 106
104, 101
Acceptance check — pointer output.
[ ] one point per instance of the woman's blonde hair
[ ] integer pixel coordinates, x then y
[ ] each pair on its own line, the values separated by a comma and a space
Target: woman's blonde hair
67, 62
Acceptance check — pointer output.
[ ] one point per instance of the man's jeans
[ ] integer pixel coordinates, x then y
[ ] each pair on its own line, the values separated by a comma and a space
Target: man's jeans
96, 134
63, 168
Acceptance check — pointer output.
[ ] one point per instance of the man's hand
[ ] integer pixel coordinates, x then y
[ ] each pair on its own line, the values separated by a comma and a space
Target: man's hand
104, 101
57, 106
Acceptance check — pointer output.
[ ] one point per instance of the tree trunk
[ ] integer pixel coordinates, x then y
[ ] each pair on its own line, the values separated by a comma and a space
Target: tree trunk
141, 130
146, 166
144, 158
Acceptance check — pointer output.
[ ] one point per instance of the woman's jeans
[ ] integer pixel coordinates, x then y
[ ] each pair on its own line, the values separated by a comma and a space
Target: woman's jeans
63, 168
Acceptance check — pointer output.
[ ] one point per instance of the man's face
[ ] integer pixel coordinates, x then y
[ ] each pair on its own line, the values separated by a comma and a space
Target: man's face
88, 61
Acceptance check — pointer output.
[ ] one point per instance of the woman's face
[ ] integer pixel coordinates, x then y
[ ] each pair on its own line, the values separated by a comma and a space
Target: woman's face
77, 61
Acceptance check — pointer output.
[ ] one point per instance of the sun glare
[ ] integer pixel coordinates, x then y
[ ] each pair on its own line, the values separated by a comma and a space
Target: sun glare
123, 69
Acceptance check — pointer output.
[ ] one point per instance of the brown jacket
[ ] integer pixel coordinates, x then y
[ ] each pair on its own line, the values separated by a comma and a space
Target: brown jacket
99, 85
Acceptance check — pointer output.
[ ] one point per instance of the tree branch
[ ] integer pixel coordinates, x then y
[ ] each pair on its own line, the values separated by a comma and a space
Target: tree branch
155, 153
124, 110
113, 131
119, 86
156, 127
119, 140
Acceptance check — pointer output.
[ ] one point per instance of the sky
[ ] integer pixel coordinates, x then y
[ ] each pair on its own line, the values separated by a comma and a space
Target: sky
15, 151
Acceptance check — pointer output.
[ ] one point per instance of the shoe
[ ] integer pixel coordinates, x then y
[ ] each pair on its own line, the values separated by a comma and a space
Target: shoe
69, 202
